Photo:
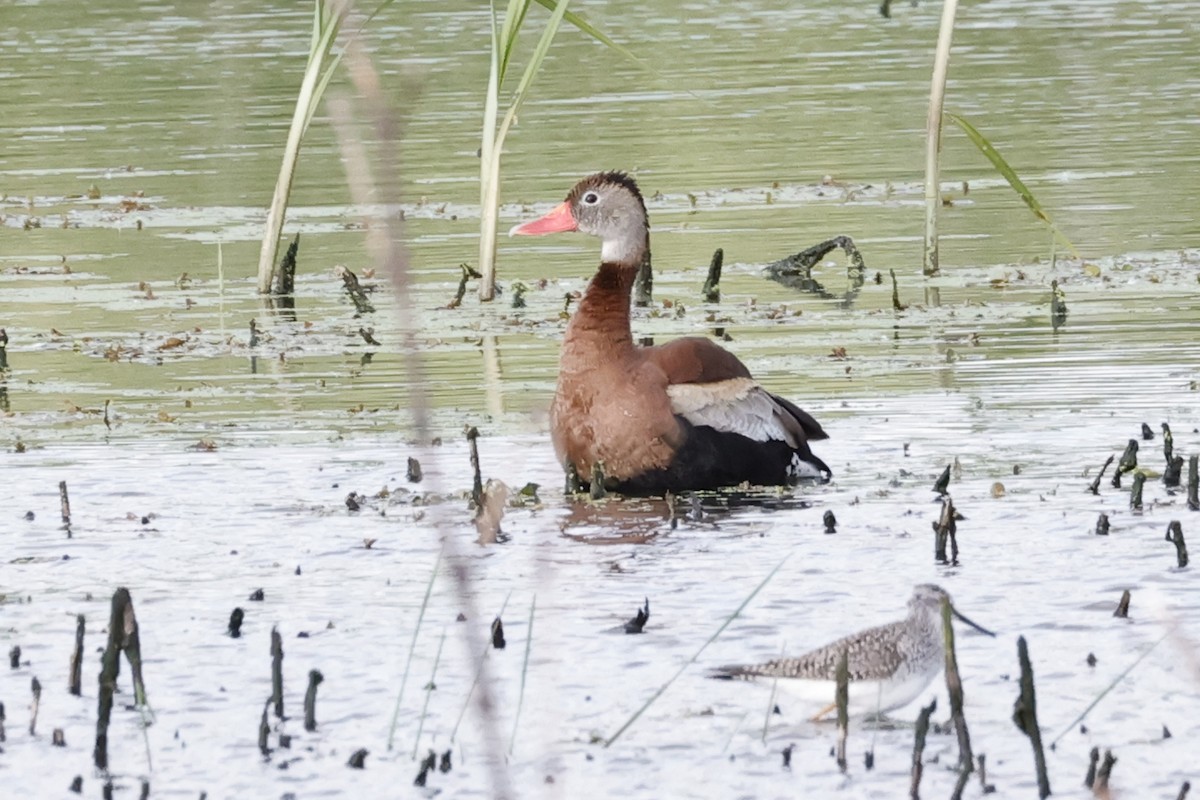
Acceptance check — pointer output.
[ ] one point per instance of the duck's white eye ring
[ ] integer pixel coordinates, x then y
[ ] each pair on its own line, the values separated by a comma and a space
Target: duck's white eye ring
591, 198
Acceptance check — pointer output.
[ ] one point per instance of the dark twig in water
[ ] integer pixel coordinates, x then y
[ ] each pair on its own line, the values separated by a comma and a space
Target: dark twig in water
75, 683
795, 271
358, 759
122, 636
65, 503
428, 764
285, 275
918, 766
842, 701
1089, 780
477, 476
1135, 492
1128, 462
1175, 537
264, 730
353, 288
1183, 791
310, 700
498, 641
987, 788
945, 530
3, 349
643, 282
1173, 474
1193, 486
966, 761
636, 624
413, 473
1102, 775
787, 756
461, 291
712, 284
1123, 605
277, 672
830, 522
36, 686
1102, 525
896, 304
1095, 487
943, 482
1147, 433
1168, 442
14, 657
1025, 717
235, 623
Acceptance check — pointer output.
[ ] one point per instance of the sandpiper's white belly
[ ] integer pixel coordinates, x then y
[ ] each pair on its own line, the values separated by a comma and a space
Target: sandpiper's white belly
867, 698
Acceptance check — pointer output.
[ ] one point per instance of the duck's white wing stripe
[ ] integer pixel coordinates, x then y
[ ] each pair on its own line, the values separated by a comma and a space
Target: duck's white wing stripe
738, 405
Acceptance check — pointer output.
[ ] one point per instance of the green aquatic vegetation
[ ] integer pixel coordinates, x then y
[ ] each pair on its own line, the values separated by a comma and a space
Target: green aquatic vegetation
933, 149
328, 16
1010, 175
495, 128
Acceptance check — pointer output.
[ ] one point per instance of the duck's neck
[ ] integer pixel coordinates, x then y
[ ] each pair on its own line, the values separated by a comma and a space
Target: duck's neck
599, 331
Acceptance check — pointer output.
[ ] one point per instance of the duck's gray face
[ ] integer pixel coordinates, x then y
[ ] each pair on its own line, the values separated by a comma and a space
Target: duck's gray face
607, 205
608, 208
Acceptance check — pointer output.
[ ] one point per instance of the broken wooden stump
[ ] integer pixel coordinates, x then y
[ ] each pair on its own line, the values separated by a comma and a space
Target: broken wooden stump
310, 700
277, 672
1102, 525
75, 680
1025, 717
1095, 487
918, 766
1122, 611
712, 284
1135, 492
1175, 537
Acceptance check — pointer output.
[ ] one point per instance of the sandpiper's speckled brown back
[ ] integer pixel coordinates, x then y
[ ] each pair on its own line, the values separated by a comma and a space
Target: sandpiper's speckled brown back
913, 644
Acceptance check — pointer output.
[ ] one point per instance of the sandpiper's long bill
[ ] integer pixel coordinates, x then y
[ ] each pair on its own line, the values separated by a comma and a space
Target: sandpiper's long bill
889, 665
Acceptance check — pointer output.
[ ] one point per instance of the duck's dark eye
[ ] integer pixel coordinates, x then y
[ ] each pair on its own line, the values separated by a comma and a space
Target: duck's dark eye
591, 198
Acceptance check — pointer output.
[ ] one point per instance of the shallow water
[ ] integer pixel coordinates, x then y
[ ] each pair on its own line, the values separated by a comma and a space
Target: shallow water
748, 112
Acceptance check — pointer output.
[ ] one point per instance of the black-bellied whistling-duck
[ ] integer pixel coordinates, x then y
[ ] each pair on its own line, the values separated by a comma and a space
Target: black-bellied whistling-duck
683, 415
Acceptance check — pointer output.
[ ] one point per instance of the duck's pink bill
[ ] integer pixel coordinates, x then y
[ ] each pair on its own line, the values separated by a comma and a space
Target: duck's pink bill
557, 221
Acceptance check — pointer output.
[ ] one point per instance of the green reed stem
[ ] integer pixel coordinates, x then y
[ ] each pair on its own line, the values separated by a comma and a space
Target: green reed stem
478, 672
512, 742
1107, 689
690, 661
412, 647
429, 687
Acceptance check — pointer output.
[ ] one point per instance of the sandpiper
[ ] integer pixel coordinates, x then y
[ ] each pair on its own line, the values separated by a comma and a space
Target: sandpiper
889, 665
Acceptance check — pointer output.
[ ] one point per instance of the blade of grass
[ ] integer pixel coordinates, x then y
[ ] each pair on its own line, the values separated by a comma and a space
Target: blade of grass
512, 742
328, 16
327, 26
1010, 175
690, 661
412, 647
478, 673
493, 138
771, 699
429, 688
1107, 689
